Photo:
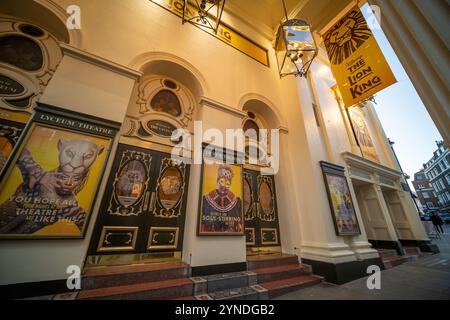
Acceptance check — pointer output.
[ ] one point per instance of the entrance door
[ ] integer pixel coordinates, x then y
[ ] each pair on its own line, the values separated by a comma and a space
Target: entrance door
142, 213
262, 229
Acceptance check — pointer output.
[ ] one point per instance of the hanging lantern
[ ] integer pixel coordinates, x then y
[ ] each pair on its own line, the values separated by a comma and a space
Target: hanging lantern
205, 13
295, 48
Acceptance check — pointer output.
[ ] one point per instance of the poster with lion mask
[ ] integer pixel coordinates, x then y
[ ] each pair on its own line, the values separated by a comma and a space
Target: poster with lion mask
50, 189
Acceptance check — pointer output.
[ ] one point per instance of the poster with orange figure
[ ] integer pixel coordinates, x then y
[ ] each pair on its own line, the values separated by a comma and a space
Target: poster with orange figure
11, 127
49, 188
221, 210
340, 199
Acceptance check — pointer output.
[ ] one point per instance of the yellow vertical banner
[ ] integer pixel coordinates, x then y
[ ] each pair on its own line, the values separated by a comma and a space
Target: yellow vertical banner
357, 62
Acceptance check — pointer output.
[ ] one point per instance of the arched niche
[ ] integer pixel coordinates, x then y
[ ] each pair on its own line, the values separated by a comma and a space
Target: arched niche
44, 14
172, 66
38, 28
29, 56
259, 116
164, 99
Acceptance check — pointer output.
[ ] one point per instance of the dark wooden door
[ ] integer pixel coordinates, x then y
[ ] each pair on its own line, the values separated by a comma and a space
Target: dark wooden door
261, 214
143, 208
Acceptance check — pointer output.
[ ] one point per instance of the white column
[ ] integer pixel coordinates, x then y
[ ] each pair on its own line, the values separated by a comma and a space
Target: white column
359, 244
416, 30
416, 225
385, 210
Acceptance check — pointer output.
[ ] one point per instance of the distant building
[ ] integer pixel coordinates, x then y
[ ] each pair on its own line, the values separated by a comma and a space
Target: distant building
425, 191
437, 170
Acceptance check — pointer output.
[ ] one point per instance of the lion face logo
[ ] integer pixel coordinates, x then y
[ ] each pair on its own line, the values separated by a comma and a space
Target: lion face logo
346, 37
77, 156
344, 33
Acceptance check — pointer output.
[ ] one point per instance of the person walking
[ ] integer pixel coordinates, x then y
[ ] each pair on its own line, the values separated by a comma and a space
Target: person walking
437, 222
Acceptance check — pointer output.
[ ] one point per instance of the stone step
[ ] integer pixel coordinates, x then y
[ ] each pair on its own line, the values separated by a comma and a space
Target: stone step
280, 287
393, 261
387, 252
260, 262
411, 251
159, 290
226, 281
281, 272
255, 292
103, 277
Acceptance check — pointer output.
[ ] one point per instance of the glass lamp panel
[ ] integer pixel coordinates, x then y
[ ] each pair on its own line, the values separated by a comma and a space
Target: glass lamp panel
300, 38
280, 49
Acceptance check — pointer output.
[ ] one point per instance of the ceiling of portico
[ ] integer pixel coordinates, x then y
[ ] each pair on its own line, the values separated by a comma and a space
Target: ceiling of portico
265, 15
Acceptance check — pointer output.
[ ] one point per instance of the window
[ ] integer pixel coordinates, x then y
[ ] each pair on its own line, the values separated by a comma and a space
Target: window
436, 187
448, 179
426, 195
441, 165
446, 163
251, 129
430, 205
420, 186
167, 102
21, 52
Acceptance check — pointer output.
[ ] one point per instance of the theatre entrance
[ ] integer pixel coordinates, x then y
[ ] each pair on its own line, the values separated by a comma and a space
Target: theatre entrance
142, 214
262, 231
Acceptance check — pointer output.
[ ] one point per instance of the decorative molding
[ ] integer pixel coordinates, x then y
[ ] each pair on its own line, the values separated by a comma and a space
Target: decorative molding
205, 101
367, 165
100, 62
122, 230
75, 35
141, 61
278, 119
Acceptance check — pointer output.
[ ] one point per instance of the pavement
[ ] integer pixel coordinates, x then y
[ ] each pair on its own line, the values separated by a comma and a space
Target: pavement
427, 278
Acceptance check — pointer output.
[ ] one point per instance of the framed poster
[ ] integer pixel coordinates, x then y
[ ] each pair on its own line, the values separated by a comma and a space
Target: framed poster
340, 200
221, 197
11, 127
50, 182
362, 133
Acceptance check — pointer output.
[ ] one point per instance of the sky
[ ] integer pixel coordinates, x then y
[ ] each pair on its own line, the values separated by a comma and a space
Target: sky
403, 115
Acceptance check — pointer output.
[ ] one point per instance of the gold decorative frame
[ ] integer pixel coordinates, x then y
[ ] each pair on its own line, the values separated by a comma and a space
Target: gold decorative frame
253, 233
115, 208
263, 242
261, 214
251, 213
159, 211
153, 243
132, 231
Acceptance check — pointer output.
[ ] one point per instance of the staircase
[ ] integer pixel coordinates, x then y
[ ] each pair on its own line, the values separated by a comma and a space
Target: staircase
281, 274
391, 259
267, 277
137, 282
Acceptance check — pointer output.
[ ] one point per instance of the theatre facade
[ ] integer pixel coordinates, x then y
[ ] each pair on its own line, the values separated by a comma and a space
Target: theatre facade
88, 176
